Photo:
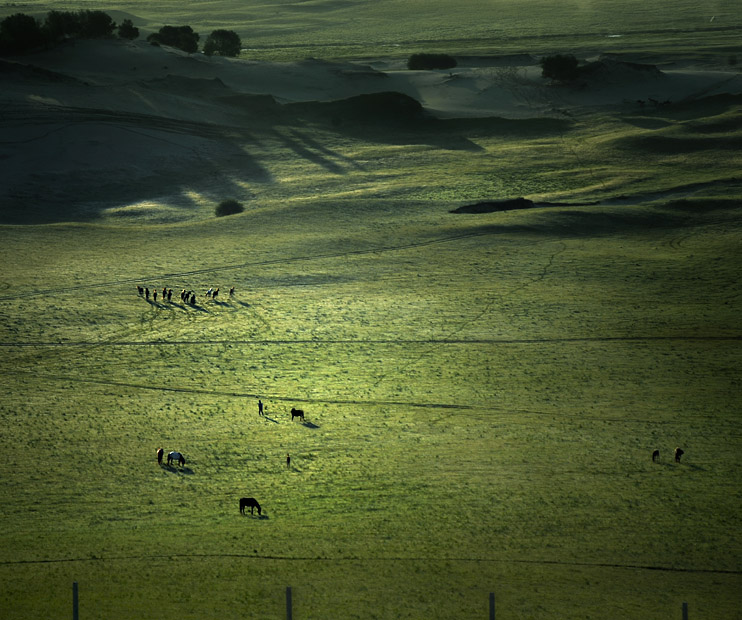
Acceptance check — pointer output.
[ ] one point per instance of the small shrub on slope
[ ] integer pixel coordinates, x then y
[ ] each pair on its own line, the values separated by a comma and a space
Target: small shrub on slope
560, 67
228, 207
127, 30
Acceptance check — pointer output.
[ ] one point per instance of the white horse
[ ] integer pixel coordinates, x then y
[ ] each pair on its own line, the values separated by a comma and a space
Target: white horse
175, 456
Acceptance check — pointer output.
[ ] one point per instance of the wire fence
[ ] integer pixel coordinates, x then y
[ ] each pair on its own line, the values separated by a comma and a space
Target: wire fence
290, 605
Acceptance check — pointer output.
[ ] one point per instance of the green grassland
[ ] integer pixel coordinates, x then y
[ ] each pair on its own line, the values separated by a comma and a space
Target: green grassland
482, 392
290, 29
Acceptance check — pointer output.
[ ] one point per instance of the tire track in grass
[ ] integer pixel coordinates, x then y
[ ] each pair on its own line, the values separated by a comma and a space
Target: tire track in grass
287, 558
476, 317
395, 341
447, 409
234, 394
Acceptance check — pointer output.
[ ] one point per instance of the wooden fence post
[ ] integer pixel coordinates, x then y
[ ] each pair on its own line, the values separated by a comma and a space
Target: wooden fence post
289, 610
75, 605
492, 606
685, 611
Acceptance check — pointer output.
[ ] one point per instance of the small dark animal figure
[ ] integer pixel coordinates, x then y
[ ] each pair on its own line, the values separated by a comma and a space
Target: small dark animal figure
154, 295
249, 502
169, 294
655, 456
678, 454
160, 452
288, 461
193, 299
297, 413
215, 293
175, 456
140, 290
146, 292
231, 291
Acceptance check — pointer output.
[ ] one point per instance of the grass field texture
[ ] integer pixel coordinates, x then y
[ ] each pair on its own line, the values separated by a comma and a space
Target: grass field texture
482, 392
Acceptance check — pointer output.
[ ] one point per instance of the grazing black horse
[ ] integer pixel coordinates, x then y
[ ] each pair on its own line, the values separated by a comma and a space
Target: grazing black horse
250, 502
160, 452
655, 456
678, 454
297, 413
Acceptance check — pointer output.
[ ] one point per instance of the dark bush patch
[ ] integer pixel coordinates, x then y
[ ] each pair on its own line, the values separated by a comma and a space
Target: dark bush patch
418, 62
60, 25
390, 108
492, 206
181, 37
127, 30
20, 33
228, 207
560, 67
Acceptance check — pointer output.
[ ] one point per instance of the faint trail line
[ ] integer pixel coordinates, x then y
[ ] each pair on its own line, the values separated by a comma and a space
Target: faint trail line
257, 263
484, 407
229, 393
392, 341
476, 317
283, 558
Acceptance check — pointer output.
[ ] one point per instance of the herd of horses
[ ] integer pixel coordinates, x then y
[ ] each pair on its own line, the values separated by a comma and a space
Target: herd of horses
245, 502
188, 297
172, 457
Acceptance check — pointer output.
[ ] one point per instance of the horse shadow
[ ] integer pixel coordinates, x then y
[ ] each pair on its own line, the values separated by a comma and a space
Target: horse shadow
261, 517
694, 467
310, 424
178, 470
244, 304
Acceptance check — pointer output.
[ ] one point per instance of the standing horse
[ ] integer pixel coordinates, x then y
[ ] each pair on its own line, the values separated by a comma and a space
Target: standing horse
297, 413
175, 456
250, 502
160, 452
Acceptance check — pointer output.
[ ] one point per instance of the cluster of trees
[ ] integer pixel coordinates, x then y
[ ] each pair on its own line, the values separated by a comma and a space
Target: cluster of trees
420, 62
20, 33
559, 67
